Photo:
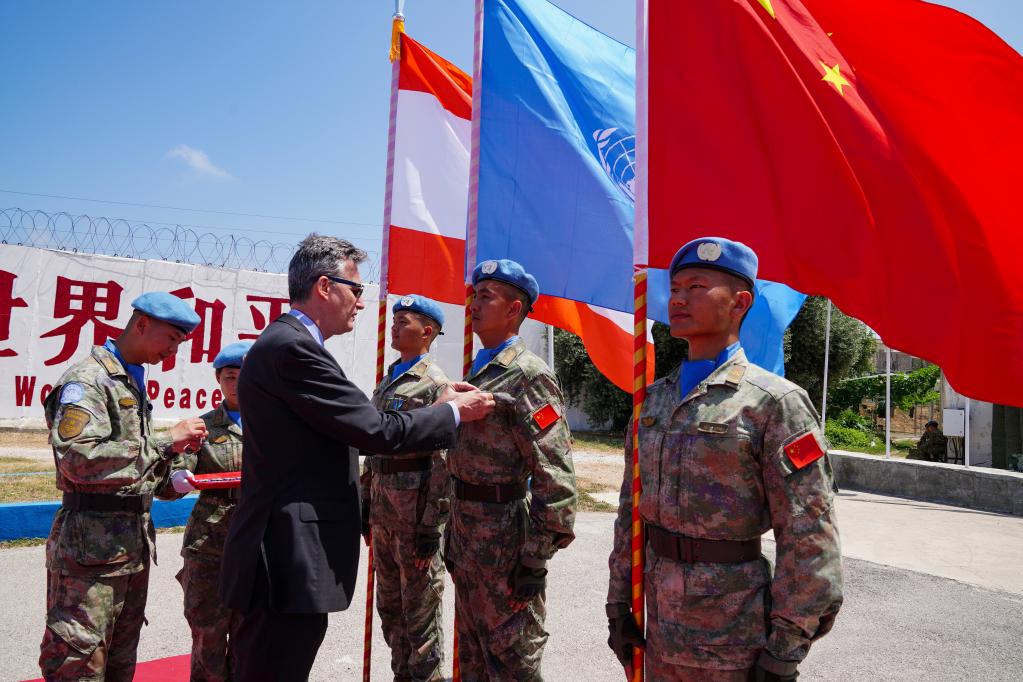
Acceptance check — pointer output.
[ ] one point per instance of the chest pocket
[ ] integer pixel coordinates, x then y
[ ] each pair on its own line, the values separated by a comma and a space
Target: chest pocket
224, 454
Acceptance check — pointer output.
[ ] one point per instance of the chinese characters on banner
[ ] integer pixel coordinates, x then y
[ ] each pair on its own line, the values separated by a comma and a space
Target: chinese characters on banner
55, 306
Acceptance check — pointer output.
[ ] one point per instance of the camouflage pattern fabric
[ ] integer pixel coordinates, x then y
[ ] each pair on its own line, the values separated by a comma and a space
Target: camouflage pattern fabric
103, 442
209, 620
931, 447
723, 464
409, 603
93, 626
203, 546
408, 598
526, 436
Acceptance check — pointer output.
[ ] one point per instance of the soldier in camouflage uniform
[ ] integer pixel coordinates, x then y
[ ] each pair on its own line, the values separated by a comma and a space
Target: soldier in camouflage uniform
727, 451
514, 495
932, 445
405, 504
109, 466
209, 620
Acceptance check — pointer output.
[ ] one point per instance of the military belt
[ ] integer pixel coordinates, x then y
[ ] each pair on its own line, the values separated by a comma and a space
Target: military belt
389, 465
107, 502
508, 492
689, 550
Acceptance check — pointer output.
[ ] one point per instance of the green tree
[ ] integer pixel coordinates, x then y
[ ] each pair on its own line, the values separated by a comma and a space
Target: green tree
586, 388
851, 353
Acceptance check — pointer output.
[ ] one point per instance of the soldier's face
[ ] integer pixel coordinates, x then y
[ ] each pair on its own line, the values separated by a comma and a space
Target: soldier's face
160, 339
494, 307
703, 302
227, 377
408, 333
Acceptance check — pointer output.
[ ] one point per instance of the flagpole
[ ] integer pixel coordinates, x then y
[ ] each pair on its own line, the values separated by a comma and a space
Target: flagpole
471, 217
827, 357
888, 403
397, 29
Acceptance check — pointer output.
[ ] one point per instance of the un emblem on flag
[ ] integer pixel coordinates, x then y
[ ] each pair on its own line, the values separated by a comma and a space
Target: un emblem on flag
616, 150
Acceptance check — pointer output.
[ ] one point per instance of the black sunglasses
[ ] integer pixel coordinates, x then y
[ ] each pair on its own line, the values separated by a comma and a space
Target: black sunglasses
356, 288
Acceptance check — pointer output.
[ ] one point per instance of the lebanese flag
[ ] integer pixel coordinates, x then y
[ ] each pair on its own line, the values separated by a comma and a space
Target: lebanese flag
426, 208
868, 150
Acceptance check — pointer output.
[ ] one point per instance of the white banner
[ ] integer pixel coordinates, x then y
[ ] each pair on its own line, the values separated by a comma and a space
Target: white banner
54, 306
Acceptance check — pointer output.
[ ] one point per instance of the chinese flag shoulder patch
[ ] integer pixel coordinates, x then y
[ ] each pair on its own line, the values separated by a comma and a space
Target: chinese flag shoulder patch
545, 416
804, 450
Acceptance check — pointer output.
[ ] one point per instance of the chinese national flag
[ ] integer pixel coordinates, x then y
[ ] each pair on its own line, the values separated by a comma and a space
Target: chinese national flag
868, 150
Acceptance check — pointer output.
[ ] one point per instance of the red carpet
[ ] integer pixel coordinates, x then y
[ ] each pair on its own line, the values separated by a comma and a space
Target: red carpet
173, 669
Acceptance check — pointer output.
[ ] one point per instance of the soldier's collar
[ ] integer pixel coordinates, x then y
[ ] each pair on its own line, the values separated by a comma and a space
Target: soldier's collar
731, 372
220, 416
508, 355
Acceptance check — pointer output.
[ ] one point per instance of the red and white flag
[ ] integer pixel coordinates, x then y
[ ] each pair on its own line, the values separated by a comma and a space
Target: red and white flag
428, 181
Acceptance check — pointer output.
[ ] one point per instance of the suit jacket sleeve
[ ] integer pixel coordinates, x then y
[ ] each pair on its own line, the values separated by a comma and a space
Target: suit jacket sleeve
316, 389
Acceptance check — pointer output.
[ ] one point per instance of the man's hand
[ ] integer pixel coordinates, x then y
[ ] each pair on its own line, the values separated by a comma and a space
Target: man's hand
623, 636
770, 669
452, 390
188, 435
526, 583
427, 545
182, 481
473, 405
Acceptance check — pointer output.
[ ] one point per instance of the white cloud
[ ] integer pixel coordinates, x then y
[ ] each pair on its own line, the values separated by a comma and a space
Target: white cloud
198, 161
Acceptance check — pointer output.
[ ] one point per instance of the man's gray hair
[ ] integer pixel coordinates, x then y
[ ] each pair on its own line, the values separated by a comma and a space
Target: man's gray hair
318, 255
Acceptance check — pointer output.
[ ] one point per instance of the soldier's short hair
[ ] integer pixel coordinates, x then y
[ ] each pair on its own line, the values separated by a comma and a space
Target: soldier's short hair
319, 255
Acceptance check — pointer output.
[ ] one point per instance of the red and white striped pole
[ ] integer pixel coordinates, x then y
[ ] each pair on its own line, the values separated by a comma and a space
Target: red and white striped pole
638, 396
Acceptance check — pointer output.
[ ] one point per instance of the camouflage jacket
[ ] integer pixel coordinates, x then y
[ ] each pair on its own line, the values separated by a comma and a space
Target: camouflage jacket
103, 442
211, 515
526, 436
933, 444
716, 465
409, 500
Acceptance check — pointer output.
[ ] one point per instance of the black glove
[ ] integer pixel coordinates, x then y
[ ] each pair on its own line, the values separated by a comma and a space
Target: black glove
365, 522
527, 582
623, 636
427, 544
761, 674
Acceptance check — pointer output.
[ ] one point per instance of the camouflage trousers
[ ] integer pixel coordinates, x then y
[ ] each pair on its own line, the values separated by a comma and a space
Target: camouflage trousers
409, 603
658, 670
93, 626
209, 620
496, 644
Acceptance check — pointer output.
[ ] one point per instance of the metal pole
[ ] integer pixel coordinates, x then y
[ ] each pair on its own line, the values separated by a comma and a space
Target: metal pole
827, 356
966, 445
550, 346
888, 404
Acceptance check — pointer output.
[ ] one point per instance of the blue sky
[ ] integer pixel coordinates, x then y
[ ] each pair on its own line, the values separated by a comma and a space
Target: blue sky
276, 108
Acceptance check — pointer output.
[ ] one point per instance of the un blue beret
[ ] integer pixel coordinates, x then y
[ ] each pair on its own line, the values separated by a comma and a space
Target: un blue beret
168, 308
422, 305
509, 272
717, 253
232, 354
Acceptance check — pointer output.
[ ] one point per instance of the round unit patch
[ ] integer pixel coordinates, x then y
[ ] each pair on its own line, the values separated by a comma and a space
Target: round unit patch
708, 251
489, 267
71, 393
407, 301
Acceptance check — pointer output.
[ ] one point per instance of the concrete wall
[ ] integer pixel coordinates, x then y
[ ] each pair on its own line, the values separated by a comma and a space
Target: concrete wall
976, 488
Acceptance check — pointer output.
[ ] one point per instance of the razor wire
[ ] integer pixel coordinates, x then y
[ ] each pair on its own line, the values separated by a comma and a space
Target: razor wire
178, 243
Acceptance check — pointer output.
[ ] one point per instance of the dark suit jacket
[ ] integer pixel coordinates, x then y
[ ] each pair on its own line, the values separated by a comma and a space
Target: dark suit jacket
298, 518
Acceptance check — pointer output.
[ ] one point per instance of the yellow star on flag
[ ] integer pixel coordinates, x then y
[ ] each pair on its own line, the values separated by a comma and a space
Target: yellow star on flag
833, 75
767, 6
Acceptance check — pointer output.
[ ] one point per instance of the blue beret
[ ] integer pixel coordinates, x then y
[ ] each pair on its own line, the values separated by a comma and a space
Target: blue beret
168, 308
717, 253
232, 354
422, 305
509, 272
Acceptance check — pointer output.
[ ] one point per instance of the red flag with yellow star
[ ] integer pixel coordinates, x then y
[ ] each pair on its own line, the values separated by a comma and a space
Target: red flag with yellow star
868, 150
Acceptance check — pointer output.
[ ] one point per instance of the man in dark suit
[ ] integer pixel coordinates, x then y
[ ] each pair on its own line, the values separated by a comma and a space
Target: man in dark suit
292, 551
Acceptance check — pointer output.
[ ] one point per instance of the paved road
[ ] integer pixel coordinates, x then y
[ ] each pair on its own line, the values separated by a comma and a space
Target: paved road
897, 624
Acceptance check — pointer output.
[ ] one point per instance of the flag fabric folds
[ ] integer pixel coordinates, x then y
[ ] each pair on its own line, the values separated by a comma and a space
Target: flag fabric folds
868, 150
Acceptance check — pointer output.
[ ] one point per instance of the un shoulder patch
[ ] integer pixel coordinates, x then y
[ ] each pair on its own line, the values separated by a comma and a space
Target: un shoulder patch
73, 422
71, 393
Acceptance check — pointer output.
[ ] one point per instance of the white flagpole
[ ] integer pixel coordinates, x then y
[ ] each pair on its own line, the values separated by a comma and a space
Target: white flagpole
888, 403
827, 357
550, 346
966, 444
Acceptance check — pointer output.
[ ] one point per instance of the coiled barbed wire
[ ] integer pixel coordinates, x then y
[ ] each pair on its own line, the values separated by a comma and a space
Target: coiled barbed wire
118, 237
